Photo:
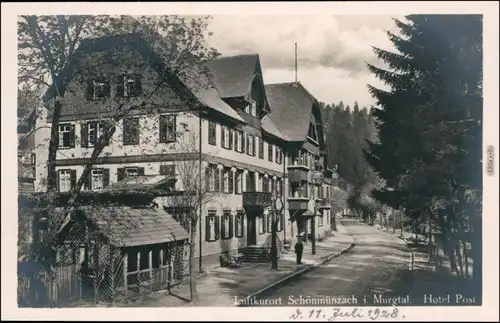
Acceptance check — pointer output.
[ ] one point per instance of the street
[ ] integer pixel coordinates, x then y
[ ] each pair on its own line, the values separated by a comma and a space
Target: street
358, 278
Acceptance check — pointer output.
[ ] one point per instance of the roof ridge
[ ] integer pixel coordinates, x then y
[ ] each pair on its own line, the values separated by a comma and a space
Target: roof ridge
238, 55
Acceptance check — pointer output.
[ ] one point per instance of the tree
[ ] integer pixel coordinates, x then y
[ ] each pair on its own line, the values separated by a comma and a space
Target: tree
195, 194
429, 124
55, 51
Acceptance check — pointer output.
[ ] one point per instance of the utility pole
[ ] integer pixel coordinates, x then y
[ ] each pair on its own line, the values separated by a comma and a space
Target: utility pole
274, 247
313, 229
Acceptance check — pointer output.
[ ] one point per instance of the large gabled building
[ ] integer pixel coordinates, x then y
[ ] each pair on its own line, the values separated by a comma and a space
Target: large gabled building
253, 141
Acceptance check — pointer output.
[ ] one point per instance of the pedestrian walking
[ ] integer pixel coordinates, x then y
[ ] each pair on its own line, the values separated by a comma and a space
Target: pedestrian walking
299, 248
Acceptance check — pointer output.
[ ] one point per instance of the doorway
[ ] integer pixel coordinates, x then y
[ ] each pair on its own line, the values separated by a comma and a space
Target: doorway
251, 230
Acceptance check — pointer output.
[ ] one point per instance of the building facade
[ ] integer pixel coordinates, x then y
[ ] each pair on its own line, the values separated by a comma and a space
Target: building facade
249, 144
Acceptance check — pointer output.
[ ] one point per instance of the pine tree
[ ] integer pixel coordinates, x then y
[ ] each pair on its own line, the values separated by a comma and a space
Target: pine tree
429, 123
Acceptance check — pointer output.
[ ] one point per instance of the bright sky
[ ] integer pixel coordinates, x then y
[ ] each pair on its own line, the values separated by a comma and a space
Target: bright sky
332, 50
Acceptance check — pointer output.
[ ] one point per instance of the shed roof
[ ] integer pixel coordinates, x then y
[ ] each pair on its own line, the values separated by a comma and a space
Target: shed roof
126, 226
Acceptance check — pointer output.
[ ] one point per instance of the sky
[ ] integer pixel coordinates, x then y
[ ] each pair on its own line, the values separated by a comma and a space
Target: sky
332, 50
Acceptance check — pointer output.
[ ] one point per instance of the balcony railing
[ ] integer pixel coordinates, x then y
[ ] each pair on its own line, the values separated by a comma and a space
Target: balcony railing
257, 199
324, 204
298, 203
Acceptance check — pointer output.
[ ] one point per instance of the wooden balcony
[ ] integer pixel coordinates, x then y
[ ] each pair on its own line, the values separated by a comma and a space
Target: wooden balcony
297, 175
257, 199
324, 204
298, 203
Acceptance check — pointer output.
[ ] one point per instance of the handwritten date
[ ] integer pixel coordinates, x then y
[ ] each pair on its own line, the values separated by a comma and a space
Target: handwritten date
355, 313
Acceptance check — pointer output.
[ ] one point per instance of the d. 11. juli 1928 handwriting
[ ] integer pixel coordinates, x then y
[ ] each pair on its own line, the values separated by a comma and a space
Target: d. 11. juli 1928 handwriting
325, 314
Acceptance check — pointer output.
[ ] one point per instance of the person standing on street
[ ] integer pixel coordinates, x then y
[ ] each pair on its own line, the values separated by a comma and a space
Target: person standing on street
299, 248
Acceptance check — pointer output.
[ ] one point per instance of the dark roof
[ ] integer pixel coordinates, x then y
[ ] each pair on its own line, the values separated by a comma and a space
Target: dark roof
233, 75
140, 182
135, 226
291, 105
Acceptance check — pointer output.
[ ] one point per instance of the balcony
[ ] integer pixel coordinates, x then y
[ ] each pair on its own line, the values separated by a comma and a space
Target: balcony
298, 175
324, 204
298, 203
257, 199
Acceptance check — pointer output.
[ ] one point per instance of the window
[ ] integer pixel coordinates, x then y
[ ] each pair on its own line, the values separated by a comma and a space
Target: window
98, 89
320, 219
226, 137
66, 180
239, 224
270, 152
266, 184
228, 181
95, 131
131, 131
239, 182
253, 108
279, 156
169, 172
262, 224
66, 136
167, 129
97, 179
33, 159
227, 225
260, 183
238, 141
313, 132
251, 183
212, 135
278, 187
128, 86
250, 145
261, 148
213, 178
280, 219
129, 171
269, 225
212, 227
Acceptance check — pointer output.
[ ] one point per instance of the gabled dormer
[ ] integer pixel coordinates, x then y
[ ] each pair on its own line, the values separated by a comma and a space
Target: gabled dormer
238, 79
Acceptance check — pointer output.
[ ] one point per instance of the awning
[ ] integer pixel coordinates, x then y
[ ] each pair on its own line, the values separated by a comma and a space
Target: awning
135, 226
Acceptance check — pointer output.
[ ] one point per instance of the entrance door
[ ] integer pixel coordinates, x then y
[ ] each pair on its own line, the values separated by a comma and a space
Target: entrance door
251, 230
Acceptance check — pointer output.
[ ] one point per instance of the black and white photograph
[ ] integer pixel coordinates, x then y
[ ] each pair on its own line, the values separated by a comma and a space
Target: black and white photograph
326, 166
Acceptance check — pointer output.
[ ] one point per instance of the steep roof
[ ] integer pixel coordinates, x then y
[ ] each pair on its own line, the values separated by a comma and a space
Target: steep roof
233, 75
291, 105
128, 226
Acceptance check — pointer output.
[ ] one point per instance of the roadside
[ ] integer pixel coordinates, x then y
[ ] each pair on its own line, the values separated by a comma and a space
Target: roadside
434, 278
222, 286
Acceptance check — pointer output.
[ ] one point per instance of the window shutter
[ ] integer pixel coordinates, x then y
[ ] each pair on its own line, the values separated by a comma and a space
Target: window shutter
207, 228
235, 139
106, 89
217, 227
222, 137
84, 135
135, 131
138, 85
243, 142
223, 226
72, 136
58, 181
207, 179
120, 91
253, 146
140, 171
90, 90
231, 181
108, 130
163, 129
171, 128
87, 185
230, 139
73, 179
105, 177
217, 179
231, 226
120, 174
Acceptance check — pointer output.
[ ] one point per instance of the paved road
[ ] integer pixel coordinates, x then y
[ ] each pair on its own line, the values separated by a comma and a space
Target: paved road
374, 264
